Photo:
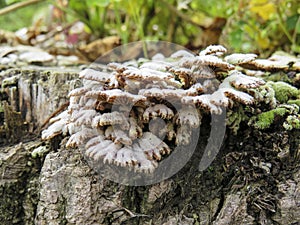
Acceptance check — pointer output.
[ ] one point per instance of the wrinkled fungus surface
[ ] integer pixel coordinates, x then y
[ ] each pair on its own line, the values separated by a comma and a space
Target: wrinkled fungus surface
134, 114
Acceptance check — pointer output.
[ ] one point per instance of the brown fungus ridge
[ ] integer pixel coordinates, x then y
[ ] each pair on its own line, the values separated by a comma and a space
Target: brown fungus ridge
157, 65
116, 96
91, 74
202, 101
133, 114
158, 93
149, 75
240, 81
181, 54
207, 60
174, 95
158, 110
265, 64
80, 137
135, 130
118, 135
96, 145
184, 76
188, 115
238, 96
279, 61
112, 118
153, 146
57, 126
233, 88
190, 76
146, 74
217, 50
83, 117
78, 92
239, 58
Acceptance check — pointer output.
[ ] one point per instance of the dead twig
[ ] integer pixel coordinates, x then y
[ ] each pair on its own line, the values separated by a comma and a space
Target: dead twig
18, 5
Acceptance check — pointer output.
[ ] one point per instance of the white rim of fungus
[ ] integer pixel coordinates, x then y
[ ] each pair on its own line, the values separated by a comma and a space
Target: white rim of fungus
155, 109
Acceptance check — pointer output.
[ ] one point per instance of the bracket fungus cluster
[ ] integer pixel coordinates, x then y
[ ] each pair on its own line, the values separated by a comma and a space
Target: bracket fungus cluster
133, 114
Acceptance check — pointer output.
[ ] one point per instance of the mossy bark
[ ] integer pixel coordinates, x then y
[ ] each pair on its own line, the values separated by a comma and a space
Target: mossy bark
254, 179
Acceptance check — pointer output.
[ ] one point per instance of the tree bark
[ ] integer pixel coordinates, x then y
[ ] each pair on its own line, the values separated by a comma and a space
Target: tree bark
255, 178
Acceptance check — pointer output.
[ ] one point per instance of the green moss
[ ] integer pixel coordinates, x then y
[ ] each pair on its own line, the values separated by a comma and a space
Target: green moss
235, 117
1, 108
265, 94
294, 101
284, 91
40, 151
292, 122
10, 81
279, 76
266, 119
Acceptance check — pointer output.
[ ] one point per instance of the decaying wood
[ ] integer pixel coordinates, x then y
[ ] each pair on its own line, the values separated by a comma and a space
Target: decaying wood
45, 183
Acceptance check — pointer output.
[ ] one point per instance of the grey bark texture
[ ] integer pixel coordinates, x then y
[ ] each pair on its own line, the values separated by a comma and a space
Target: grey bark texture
45, 183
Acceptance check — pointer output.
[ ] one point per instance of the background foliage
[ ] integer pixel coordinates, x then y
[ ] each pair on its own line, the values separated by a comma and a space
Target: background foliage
260, 26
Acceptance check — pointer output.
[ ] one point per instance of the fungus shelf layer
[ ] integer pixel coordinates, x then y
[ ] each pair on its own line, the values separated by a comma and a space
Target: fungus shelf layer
133, 115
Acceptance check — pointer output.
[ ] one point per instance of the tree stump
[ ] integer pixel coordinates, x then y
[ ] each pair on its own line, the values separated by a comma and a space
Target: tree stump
253, 180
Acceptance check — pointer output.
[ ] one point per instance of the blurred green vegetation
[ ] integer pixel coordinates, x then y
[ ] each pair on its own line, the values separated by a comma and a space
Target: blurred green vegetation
260, 26
20, 18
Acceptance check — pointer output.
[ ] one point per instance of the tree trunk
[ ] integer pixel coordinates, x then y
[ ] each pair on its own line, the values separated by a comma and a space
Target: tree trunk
255, 178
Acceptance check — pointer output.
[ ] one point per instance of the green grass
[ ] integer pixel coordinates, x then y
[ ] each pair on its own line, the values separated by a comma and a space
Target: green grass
23, 17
